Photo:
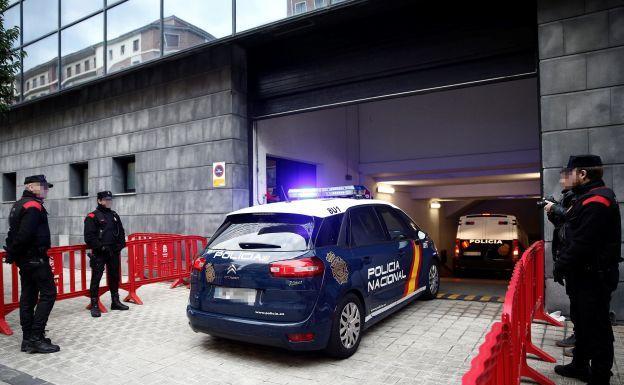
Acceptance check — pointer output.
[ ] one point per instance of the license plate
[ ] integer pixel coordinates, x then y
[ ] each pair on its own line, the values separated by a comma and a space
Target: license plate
236, 294
472, 253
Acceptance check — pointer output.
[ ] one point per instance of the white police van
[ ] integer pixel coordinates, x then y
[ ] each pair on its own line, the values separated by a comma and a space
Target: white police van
491, 242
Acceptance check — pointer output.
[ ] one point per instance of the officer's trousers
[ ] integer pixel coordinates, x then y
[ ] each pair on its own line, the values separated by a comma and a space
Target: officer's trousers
594, 334
98, 262
37, 281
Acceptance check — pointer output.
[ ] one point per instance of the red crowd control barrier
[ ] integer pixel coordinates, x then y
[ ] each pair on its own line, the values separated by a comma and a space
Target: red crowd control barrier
502, 356
150, 258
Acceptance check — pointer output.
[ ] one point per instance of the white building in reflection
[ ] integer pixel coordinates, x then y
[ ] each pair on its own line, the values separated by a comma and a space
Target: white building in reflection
132, 48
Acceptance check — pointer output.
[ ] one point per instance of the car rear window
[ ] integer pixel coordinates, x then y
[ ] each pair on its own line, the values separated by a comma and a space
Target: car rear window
275, 232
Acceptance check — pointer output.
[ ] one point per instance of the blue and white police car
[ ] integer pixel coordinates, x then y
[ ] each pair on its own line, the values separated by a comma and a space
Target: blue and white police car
311, 274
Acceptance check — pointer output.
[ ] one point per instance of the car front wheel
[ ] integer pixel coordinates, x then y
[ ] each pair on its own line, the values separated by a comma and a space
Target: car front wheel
433, 282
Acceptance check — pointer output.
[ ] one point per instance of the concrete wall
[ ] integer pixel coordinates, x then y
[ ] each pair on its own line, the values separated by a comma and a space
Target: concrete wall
176, 117
581, 61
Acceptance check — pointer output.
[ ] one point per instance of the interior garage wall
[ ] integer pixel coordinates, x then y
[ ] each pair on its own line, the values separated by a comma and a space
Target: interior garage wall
494, 118
581, 51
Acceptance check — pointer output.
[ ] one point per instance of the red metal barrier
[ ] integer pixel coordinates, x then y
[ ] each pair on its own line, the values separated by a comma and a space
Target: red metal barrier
502, 356
150, 259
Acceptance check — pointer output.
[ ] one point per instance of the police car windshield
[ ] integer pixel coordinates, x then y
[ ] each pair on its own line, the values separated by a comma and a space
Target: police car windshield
276, 232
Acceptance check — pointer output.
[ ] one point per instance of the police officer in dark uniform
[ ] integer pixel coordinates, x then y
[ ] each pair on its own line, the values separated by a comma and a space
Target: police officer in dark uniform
556, 215
104, 235
590, 258
27, 242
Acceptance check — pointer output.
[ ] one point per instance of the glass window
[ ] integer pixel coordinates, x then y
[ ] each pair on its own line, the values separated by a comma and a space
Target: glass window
87, 65
79, 179
12, 19
329, 231
82, 43
9, 187
299, 7
319, 4
34, 82
41, 59
72, 10
277, 232
122, 49
40, 17
253, 13
124, 180
131, 20
395, 225
135, 45
365, 227
196, 21
42, 79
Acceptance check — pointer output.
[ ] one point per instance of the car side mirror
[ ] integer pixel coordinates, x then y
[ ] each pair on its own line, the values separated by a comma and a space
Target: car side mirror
421, 235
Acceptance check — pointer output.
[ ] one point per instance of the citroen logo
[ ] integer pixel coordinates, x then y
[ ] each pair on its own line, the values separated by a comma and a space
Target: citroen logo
231, 269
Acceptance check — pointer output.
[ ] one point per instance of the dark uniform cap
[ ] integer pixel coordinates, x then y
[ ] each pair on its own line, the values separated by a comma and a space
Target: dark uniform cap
37, 179
105, 195
582, 161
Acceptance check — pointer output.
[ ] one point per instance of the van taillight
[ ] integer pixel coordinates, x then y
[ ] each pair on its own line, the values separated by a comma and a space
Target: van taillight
503, 222
516, 250
470, 223
199, 263
297, 268
457, 248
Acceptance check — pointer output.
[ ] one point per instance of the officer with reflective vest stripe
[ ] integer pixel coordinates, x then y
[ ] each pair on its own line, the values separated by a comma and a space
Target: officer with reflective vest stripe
27, 242
589, 258
104, 235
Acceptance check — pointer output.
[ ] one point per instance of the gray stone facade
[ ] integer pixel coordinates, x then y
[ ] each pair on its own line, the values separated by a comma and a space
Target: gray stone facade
581, 67
176, 117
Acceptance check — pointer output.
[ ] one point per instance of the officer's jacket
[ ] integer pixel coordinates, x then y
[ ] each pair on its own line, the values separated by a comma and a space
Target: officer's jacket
103, 227
29, 233
592, 230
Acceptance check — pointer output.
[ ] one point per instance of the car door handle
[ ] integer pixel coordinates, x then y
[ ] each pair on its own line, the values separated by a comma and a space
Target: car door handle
366, 259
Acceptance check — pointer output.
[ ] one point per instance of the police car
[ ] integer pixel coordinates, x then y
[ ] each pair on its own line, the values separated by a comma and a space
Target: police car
311, 274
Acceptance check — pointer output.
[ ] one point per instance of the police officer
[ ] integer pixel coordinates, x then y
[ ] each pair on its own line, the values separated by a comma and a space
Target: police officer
590, 258
104, 235
27, 242
556, 215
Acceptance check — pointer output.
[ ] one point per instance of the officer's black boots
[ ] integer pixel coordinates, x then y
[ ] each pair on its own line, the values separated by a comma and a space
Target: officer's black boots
95, 308
116, 303
37, 343
567, 342
26, 342
573, 371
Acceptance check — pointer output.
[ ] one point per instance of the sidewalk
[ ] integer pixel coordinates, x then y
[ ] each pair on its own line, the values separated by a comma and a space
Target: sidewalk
428, 342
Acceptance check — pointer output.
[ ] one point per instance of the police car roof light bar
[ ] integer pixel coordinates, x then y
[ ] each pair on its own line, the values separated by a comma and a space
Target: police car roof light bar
353, 191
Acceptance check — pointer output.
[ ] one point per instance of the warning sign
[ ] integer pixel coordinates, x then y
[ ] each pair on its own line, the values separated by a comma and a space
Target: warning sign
218, 174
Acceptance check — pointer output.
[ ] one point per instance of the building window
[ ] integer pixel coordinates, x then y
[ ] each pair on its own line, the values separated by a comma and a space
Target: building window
110, 54
172, 40
79, 179
68, 72
77, 68
42, 79
9, 187
122, 49
124, 174
300, 7
27, 85
135, 45
94, 63
35, 83
319, 4
87, 64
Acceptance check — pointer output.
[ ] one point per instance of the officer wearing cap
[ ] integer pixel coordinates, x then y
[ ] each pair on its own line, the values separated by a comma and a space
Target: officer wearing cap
589, 258
104, 235
27, 242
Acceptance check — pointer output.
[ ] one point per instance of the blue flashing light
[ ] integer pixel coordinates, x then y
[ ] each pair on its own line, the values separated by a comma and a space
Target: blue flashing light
353, 191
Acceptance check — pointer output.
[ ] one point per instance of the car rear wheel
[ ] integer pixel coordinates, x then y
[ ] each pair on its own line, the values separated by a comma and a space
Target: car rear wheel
433, 281
347, 327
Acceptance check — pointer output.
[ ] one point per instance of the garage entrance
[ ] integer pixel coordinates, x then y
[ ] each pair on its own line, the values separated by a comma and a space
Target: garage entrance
439, 156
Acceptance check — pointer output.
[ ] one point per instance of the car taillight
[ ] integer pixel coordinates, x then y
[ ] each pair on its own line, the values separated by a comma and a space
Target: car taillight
457, 248
297, 268
516, 250
199, 263
300, 337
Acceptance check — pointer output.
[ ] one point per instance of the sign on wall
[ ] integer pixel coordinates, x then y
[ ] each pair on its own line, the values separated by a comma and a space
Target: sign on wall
218, 174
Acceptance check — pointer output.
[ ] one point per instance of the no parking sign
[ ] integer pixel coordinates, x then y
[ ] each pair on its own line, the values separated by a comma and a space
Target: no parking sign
218, 174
